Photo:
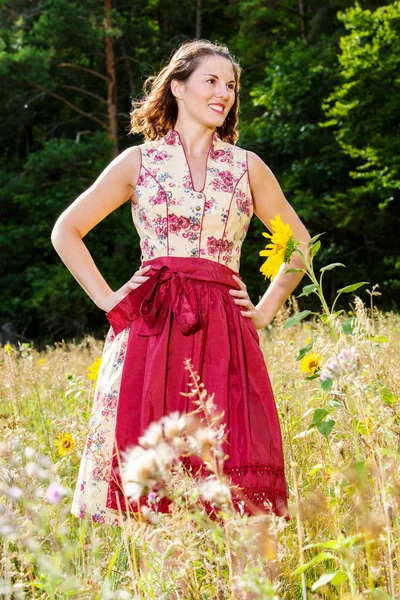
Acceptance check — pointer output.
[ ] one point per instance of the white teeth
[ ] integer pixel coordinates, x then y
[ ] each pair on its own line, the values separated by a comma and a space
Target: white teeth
216, 107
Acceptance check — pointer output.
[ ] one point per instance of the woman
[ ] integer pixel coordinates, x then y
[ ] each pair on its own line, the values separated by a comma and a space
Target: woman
192, 194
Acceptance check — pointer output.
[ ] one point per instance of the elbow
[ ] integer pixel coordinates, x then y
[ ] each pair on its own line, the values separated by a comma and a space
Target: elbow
57, 232
61, 230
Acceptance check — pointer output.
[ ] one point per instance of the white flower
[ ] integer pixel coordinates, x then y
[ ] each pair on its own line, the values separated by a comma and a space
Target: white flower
55, 492
15, 493
214, 491
139, 464
133, 490
152, 436
174, 425
147, 465
29, 452
166, 456
202, 440
34, 470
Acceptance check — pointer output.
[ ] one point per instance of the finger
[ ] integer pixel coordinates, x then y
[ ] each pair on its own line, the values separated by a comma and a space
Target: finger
244, 302
139, 278
143, 269
240, 293
135, 281
240, 282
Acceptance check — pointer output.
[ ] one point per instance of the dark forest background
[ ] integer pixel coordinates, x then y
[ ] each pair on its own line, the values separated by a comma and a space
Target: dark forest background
319, 104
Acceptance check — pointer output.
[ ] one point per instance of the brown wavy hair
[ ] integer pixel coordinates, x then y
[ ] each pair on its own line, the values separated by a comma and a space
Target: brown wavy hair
156, 113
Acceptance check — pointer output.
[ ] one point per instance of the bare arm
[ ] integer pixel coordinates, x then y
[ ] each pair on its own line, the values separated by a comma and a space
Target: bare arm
269, 201
113, 187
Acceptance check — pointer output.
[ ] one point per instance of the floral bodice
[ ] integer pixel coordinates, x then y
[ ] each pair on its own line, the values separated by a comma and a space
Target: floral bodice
173, 219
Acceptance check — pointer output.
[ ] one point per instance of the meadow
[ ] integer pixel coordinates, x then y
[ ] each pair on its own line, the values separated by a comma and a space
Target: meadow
337, 397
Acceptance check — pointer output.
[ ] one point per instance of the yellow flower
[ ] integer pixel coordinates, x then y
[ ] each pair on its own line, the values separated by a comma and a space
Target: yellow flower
93, 370
308, 340
8, 349
279, 250
310, 363
65, 443
40, 361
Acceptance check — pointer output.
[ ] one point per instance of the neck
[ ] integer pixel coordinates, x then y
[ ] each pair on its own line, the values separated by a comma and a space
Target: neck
195, 140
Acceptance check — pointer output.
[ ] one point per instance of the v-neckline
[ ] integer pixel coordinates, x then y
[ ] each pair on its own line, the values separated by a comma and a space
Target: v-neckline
213, 140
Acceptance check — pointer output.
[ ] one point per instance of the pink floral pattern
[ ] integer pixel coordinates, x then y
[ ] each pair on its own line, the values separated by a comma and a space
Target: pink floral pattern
90, 494
174, 219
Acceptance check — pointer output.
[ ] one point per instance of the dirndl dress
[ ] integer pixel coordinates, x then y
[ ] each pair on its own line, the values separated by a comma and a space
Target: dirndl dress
184, 310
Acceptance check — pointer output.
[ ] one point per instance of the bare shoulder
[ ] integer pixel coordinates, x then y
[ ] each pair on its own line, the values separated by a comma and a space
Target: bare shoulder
129, 162
258, 169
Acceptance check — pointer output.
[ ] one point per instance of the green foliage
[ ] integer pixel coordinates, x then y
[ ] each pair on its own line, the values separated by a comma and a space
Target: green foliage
318, 104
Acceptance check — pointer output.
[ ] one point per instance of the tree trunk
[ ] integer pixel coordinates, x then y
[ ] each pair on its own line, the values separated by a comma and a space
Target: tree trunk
198, 19
111, 79
302, 20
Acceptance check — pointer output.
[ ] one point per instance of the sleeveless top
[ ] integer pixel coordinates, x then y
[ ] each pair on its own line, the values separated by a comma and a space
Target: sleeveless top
173, 219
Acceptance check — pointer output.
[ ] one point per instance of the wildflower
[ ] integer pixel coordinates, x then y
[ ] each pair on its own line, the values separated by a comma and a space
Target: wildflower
347, 361
212, 490
93, 369
152, 436
8, 349
202, 441
308, 340
29, 452
55, 492
144, 466
174, 425
311, 363
40, 362
15, 493
65, 443
279, 250
34, 470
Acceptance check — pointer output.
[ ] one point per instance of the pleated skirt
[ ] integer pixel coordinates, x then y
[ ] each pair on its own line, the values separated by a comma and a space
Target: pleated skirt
184, 310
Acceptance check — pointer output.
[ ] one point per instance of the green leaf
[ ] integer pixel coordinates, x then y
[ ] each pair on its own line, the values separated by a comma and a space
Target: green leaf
388, 396
380, 339
314, 239
324, 318
326, 384
331, 266
315, 248
319, 415
296, 319
303, 351
315, 376
314, 561
348, 326
338, 312
325, 427
352, 287
307, 289
295, 271
323, 580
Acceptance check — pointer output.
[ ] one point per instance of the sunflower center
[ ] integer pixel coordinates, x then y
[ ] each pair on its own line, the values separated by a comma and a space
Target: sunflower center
66, 444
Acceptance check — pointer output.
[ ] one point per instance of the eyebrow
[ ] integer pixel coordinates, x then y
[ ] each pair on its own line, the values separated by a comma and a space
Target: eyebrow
216, 77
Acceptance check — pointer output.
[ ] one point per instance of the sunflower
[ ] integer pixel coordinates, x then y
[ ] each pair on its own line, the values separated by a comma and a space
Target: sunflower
93, 369
64, 443
310, 363
279, 250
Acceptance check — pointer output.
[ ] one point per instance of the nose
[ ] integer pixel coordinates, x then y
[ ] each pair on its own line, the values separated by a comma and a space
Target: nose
222, 91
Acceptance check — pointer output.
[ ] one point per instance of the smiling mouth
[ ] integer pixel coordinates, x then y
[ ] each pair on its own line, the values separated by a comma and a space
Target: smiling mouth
216, 109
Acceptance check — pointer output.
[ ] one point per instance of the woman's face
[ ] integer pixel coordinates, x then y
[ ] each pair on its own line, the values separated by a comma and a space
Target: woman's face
209, 93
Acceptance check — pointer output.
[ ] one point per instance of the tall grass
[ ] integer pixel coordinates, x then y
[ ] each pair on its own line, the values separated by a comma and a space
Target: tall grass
341, 437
